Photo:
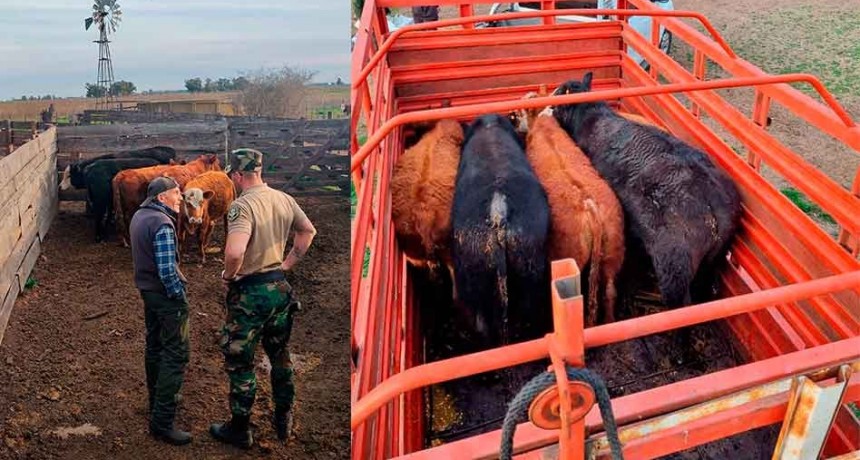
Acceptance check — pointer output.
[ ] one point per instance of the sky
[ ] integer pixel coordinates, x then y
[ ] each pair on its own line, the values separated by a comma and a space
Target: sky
44, 48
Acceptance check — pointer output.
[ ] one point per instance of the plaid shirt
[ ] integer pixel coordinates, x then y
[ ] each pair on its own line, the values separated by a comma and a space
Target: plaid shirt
165, 260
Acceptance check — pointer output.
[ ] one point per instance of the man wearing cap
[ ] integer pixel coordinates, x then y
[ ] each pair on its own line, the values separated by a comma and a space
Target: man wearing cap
260, 303
162, 286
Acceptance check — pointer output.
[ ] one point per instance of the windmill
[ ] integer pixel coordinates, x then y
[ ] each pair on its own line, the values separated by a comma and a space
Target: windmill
106, 16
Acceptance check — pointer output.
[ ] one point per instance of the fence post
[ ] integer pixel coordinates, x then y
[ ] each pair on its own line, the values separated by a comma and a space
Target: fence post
9, 142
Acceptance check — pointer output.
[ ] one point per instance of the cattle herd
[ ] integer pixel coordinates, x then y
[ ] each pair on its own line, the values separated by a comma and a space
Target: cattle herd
495, 200
116, 186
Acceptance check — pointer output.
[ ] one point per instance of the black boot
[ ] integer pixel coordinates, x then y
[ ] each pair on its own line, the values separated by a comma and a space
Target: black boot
171, 435
234, 432
282, 422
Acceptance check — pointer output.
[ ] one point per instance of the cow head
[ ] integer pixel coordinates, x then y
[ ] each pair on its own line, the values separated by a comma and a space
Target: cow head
212, 162
66, 182
522, 119
571, 116
574, 86
502, 126
195, 204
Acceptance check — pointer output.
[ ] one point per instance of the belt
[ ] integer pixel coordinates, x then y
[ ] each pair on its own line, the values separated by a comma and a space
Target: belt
261, 278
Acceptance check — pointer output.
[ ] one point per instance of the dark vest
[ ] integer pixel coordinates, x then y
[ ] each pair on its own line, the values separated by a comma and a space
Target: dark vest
144, 225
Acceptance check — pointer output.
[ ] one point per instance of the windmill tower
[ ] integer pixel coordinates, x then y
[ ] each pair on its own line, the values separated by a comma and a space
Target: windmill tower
106, 16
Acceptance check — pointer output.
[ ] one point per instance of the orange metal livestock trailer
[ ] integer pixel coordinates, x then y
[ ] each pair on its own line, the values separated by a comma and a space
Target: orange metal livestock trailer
789, 297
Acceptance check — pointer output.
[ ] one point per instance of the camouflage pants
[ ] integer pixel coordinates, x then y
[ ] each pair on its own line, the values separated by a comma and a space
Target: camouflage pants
166, 354
254, 312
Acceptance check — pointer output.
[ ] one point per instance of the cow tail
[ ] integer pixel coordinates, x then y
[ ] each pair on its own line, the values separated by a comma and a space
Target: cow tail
499, 221
596, 261
117, 209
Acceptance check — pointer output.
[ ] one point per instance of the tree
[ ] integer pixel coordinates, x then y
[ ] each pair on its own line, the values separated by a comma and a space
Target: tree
275, 92
123, 88
224, 84
194, 85
240, 83
357, 8
94, 90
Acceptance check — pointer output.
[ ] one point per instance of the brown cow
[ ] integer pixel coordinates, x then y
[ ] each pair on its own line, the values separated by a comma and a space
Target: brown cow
129, 187
206, 198
587, 221
422, 193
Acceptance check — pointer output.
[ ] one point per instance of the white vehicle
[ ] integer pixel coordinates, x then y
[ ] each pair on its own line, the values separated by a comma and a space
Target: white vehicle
641, 24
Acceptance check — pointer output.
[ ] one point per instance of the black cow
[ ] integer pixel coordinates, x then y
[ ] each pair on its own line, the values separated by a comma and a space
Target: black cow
97, 179
73, 175
500, 220
679, 207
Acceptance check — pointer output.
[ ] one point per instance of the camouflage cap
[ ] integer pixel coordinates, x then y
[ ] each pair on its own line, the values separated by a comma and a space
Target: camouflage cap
244, 160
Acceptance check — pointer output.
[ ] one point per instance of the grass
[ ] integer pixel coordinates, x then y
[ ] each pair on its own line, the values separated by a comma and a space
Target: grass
353, 200
31, 283
821, 42
855, 408
811, 209
317, 98
365, 265
66, 108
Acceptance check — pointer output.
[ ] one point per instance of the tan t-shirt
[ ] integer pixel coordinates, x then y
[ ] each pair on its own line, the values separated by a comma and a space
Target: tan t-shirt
267, 215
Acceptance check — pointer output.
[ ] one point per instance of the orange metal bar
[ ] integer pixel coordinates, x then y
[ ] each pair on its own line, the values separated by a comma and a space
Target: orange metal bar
699, 74
450, 39
466, 10
839, 320
566, 347
662, 400
492, 67
720, 425
793, 313
798, 103
606, 334
389, 42
538, 102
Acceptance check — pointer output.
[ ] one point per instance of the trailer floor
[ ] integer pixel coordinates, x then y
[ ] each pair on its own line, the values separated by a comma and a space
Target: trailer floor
477, 404
61, 368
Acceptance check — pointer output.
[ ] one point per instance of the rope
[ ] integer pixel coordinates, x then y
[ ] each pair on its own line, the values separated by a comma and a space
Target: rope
519, 406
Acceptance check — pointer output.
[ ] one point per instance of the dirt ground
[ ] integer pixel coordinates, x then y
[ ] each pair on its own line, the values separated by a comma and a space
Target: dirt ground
60, 370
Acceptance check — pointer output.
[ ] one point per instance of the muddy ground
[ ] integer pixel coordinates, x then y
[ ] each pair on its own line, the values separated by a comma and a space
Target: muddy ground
59, 369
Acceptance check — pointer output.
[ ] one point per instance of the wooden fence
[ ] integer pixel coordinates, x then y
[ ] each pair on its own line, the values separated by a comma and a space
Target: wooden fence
195, 137
14, 134
28, 204
301, 156
134, 116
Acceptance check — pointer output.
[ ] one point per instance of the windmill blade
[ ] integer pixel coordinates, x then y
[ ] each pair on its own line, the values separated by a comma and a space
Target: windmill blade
88, 22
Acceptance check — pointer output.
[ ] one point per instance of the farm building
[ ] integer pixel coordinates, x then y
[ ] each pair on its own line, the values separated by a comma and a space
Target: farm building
206, 106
